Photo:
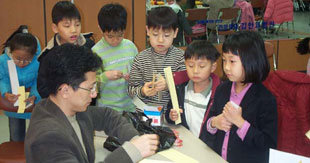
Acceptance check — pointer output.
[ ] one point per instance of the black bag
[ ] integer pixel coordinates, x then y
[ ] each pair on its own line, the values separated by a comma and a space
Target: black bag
166, 135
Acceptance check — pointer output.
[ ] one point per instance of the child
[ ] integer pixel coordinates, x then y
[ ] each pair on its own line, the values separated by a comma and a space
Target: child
117, 54
196, 96
243, 118
22, 48
183, 24
161, 29
303, 48
67, 28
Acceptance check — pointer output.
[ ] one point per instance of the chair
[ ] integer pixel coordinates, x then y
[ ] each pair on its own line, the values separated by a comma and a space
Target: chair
196, 15
291, 90
12, 152
270, 53
227, 14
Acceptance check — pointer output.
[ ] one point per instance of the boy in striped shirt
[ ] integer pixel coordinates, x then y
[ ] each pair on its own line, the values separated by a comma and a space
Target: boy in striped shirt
161, 28
117, 55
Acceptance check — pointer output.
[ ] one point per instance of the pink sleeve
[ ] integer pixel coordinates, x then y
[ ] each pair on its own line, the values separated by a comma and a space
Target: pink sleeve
243, 130
210, 129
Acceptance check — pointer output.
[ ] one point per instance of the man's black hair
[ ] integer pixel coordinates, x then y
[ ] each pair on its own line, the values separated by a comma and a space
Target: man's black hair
67, 64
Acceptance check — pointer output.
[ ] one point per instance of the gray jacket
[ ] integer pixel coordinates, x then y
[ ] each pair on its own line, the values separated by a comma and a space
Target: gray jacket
51, 138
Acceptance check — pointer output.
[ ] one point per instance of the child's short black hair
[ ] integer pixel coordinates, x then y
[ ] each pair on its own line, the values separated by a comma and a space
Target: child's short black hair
303, 46
201, 49
64, 10
23, 41
162, 17
112, 17
250, 47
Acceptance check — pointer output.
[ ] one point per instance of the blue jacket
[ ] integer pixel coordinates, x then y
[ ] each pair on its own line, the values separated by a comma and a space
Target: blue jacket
27, 77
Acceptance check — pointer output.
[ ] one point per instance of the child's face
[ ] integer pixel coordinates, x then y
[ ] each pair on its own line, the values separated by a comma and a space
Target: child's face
21, 57
113, 38
68, 30
233, 68
199, 70
161, 39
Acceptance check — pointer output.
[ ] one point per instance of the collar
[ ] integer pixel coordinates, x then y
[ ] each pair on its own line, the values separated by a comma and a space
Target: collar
242, 93
161, 55
205, 92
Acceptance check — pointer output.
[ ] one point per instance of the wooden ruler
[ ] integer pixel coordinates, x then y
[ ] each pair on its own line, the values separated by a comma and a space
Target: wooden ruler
173, 93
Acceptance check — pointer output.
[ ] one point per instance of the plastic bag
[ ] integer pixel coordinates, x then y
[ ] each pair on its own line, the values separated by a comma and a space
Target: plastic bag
166, 135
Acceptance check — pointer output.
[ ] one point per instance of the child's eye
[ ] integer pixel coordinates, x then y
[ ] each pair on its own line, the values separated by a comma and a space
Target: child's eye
167, 35
202, 66
155, 34
78, 24
224, 60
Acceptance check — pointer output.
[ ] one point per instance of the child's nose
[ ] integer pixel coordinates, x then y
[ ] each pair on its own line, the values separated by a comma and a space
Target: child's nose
160, 38
73, 29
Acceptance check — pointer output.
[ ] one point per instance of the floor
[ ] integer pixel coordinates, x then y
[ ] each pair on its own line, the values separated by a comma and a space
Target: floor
302, 29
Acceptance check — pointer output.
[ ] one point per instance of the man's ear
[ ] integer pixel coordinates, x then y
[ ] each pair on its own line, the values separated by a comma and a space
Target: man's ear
64, 90
54, 28
213, 67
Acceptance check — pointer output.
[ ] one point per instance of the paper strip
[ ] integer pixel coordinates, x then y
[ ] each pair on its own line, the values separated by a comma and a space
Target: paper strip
173, 93
21, 100
177, 156
13, 78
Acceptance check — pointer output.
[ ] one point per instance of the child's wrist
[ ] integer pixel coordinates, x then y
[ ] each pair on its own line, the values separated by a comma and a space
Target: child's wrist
240, 122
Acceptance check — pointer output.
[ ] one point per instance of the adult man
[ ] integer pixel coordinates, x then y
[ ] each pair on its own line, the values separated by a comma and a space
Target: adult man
62, 126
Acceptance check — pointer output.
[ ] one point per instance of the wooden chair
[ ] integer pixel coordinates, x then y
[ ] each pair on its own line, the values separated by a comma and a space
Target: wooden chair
12, 152
228, 14
196, 15
270, 53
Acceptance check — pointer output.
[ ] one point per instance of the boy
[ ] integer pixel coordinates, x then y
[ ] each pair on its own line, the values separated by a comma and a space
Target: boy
117, 54
67, 28
162, 29
195, 97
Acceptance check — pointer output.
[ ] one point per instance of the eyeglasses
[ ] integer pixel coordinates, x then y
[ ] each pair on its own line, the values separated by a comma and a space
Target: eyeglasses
18, 61
92, 90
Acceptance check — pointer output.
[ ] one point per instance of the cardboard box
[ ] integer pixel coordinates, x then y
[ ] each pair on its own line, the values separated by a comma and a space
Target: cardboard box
155, 113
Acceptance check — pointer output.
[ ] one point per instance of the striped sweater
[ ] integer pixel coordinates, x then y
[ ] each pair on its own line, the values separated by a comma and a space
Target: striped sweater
147, 62
113, 93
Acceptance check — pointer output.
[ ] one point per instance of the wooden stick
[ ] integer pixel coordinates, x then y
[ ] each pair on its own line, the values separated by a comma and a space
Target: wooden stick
173, 93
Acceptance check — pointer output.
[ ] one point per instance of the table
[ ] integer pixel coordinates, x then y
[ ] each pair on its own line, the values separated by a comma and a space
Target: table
192, 147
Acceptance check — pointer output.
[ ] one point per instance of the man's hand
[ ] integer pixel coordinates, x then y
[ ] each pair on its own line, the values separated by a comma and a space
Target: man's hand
114, 74
11, 97
173, 115
147, 144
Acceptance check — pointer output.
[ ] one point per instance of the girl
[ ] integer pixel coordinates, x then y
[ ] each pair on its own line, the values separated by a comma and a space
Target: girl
243, 132
22, 48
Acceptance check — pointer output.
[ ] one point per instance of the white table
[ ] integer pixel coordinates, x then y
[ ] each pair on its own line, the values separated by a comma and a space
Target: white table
192, 147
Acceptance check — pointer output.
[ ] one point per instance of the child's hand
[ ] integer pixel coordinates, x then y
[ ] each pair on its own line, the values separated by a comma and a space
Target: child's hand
114, 74
160, 84
221, 123
147, 89
11, 97
31, 99
173, 115
178, 142
126, 77
233, 115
